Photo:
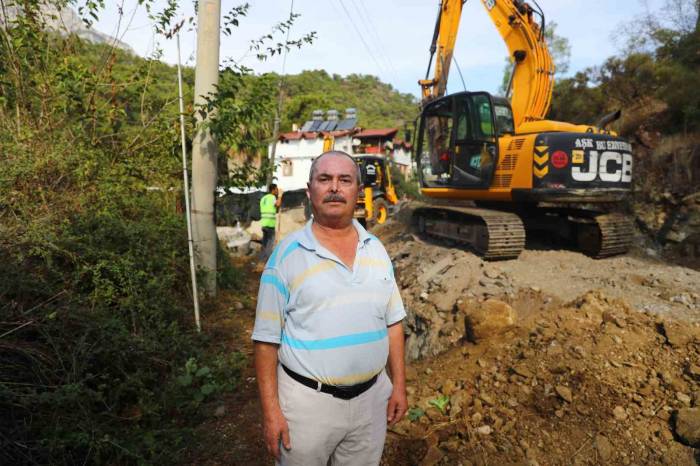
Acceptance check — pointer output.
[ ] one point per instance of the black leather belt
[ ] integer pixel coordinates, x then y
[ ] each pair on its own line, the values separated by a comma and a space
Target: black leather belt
343, 392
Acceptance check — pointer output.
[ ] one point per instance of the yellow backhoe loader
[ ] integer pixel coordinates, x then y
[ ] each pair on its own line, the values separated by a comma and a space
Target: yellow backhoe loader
378, 194
494, 168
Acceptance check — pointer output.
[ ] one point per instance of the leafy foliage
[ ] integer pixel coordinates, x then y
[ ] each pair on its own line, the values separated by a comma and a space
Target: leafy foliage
378, 104
441, 403
98, 357
657, 71
415, 413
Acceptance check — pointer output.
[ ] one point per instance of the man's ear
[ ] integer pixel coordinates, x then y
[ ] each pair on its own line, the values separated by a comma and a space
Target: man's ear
308, 191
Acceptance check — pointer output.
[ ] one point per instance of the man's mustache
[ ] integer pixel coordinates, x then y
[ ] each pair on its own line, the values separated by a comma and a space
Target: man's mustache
334, 198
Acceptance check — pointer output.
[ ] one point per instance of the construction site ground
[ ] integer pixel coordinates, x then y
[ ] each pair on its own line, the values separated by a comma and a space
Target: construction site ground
551, 359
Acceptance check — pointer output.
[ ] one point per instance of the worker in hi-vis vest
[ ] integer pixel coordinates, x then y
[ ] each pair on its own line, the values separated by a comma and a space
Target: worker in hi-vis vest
269, 204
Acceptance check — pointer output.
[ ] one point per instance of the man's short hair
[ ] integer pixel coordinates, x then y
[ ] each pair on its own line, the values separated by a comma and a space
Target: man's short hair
271, 187
335, 152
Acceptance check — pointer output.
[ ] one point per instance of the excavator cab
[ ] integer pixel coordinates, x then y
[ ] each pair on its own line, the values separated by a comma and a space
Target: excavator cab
458, 140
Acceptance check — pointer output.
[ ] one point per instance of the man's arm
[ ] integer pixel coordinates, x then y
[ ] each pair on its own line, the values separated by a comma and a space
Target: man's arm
274, 423
278, 201
398, 404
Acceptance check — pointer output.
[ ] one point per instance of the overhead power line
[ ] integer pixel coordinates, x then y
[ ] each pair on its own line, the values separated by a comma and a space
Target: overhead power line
369, 23
362, 39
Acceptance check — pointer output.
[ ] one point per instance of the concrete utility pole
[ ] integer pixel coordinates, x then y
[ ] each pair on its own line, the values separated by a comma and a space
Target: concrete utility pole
204, 147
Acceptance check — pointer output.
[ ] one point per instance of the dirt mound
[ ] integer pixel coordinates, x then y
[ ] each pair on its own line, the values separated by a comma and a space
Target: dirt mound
438, 283
589, 382
589, 362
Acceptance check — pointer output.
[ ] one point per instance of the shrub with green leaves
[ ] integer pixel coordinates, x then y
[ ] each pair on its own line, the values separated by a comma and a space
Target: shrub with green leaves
96, 333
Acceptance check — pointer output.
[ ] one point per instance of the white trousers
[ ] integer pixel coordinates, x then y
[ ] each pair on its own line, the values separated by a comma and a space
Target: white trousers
324, 430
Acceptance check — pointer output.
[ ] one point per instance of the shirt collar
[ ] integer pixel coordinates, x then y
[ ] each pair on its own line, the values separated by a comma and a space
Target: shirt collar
308, 240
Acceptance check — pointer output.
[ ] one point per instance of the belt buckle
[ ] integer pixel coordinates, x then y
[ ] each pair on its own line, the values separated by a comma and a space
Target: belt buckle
348, 392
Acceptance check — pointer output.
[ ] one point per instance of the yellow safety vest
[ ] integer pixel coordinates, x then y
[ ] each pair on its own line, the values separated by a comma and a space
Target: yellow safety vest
268, 211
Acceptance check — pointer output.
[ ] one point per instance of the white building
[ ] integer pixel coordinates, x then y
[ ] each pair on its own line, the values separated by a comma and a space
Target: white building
383, 142
296, 150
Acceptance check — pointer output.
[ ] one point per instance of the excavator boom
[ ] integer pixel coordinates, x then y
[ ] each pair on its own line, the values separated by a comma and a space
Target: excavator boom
533, 76
444, 38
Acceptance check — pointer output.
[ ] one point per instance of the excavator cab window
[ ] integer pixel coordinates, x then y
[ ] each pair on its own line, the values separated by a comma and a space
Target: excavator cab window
504, 118
457, 144
436, 135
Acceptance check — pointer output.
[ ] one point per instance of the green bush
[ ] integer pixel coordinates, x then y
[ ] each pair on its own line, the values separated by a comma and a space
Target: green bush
409, 187
99, 361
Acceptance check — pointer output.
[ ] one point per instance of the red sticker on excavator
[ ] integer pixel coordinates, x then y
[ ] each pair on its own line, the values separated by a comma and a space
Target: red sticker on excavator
560, 159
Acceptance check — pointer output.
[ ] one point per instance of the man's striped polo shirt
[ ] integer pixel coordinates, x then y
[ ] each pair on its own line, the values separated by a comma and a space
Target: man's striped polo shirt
329, 320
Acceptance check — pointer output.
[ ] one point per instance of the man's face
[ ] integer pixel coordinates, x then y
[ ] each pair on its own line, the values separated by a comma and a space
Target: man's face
334, 188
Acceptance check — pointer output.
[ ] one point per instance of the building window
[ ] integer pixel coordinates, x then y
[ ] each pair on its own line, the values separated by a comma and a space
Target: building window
287, 168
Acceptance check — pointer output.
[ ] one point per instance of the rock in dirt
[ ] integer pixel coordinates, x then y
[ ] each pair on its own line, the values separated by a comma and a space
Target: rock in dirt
522, 371
484, 430
620, 413
564, 393
603, 447
436, 270
683, 398
432, 456
687, 426
487, 319
610, 317
445, 300
693, 371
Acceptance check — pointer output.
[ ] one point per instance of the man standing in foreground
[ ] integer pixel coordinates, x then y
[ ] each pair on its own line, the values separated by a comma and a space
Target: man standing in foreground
269, 204
328, 319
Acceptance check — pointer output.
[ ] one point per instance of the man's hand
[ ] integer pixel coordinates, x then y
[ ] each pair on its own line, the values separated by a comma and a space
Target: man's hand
398, 405
275, 428
278, 201
274, 424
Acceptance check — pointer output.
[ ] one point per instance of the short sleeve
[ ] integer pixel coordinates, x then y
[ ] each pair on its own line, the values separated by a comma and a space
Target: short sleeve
269, 314
395, 310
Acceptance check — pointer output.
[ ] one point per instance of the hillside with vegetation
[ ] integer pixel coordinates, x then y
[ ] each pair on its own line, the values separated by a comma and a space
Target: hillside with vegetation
378, 104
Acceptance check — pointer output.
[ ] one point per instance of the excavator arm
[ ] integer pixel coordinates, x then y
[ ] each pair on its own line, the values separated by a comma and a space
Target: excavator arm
444, 38
533, 76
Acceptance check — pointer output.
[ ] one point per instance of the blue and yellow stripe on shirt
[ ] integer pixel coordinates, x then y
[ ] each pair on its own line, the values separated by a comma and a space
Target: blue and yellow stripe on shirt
331, 320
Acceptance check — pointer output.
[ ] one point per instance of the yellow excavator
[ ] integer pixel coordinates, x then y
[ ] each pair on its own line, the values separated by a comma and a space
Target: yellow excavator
494, 167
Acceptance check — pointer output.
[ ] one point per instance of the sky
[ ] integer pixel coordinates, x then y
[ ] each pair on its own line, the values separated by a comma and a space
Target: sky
386, 38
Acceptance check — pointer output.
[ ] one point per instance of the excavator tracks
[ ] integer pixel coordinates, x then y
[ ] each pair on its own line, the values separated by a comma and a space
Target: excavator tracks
499, 235
606, 235
493, 234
